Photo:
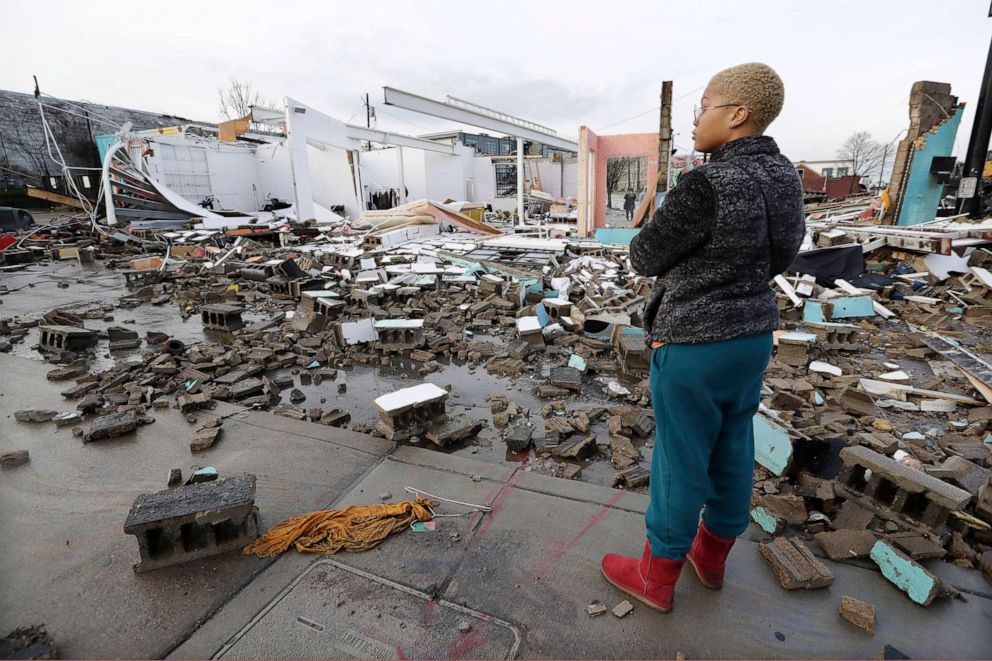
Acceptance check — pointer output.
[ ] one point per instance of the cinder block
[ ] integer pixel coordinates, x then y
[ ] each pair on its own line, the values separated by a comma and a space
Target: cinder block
222, 317
794, 565
193, 521
896, 492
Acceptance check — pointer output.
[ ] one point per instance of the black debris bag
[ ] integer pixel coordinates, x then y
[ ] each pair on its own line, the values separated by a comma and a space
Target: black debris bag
827, 264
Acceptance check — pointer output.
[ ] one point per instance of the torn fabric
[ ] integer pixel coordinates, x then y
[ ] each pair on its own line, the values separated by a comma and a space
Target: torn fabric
352, 528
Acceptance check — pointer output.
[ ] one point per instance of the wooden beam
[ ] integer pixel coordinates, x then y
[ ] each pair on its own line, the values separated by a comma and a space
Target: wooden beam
57, 198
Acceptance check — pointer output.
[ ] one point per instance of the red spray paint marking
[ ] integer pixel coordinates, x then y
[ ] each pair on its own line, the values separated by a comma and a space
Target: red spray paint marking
427, 612
497, 505
399, 653
555, 557
469, 641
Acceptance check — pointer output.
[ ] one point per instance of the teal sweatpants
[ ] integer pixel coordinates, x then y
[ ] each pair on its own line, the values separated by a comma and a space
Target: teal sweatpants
704, 397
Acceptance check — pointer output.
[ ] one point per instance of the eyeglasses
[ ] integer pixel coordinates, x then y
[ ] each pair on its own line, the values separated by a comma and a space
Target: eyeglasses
697, 111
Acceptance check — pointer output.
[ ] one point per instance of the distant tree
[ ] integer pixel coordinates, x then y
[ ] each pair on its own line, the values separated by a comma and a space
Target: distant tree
616, 169
237, 99
864, 153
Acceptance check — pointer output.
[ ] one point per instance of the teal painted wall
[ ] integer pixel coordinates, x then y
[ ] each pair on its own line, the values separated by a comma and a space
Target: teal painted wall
919, 202
616, 235
104, 142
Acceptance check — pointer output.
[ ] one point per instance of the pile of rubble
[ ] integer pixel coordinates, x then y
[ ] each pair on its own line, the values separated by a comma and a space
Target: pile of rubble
875, 439
873, 436
563, 314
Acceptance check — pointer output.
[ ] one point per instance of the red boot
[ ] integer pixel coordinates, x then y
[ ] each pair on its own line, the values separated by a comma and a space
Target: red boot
650, 579
708, 556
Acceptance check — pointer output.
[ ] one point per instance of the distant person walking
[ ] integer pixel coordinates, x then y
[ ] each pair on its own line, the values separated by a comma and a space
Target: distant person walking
724, 231
629, 202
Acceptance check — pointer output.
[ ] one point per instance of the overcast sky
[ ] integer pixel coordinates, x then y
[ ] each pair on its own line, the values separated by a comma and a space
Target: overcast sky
847, 66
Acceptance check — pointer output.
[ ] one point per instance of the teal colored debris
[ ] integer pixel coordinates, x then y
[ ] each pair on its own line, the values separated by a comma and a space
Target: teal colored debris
988, 438
542, 314
423, 526
847, 307
616, 235
813, 311
772, 445
955, 310
818, 398
919, 585
578, 362
913, 436
766, 520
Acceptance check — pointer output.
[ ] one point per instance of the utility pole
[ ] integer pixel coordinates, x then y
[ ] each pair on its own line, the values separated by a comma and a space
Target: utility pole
664, 141
978, 145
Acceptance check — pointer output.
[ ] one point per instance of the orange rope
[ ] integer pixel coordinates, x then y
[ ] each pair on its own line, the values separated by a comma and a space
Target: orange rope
352, 528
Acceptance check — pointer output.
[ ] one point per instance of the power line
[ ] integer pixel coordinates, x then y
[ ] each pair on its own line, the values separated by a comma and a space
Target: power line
655, 109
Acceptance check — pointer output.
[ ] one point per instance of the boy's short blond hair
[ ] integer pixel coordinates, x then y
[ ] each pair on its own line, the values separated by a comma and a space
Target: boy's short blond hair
756, 86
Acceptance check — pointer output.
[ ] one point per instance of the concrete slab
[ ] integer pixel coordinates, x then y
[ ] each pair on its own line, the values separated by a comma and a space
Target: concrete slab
534, 563
66, 559
333, 610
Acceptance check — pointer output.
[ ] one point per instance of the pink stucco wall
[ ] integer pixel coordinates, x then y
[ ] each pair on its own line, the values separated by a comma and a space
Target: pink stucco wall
629, 144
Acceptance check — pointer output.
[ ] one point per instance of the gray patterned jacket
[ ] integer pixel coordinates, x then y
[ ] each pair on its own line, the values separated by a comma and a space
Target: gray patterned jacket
720, 235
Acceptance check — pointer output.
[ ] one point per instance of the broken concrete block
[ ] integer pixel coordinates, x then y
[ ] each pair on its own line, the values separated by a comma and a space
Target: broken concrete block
915, 545
552, 392
566, 377
411, 411
247, 388
399, 334
624, 454
205, 438
920, 586
455, 430
529, 330
335, 418
68, 419
632, 477
193, 521
859, 613
596, 608
112, 425
14, 458
790, 508
852, 516
222, 317
794, 564
576, 448
623, 609
66, 338
519, 437
190, 403
175, 477
898, 493
846, 544
35, 415
557, 430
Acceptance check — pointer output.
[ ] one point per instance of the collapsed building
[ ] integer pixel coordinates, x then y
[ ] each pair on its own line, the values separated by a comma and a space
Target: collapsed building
873, 438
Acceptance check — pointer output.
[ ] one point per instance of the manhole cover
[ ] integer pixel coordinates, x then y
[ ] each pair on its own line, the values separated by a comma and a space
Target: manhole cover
335, 611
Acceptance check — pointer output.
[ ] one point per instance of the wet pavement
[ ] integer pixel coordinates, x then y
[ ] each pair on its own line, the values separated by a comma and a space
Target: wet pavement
94, 286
